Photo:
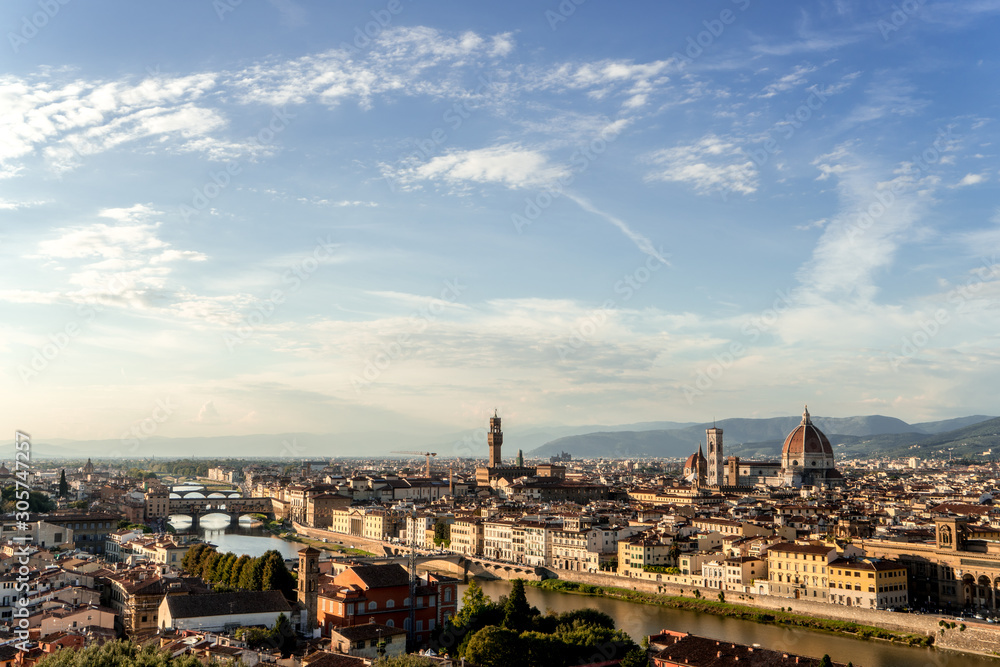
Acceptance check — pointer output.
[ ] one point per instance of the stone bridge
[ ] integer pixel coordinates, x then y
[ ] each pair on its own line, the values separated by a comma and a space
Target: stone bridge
234, 508
462, 565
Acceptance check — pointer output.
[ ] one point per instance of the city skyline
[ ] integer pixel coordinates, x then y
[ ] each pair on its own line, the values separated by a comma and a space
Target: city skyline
289, 217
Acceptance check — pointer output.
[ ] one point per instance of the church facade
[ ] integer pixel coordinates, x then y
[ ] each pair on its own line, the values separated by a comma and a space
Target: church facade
806, 460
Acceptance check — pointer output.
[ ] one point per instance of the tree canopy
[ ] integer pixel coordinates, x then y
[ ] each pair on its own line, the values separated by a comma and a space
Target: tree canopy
489, 633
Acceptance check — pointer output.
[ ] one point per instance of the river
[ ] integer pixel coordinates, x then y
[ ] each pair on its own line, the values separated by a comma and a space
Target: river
238, 538
640, 620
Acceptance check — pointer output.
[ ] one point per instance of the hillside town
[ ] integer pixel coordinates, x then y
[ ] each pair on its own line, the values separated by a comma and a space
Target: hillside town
386, 548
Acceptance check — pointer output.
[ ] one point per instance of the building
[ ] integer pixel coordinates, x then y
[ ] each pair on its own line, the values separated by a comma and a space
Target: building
90, 530
495, 469
365, 641
381, 594
467, 536
135, 596
682, 649
215, 612
799, 571
696, 468
806, 460
307, 587
869, 583
716, 463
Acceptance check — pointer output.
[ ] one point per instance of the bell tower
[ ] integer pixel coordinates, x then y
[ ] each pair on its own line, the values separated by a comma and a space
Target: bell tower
308, 585
716, 463
495, 439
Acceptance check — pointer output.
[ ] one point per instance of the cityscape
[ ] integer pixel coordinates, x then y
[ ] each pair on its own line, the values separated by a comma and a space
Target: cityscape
533, 334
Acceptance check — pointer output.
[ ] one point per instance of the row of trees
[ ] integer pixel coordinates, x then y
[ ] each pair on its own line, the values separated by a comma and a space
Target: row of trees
37, 501
230, 572
511, 631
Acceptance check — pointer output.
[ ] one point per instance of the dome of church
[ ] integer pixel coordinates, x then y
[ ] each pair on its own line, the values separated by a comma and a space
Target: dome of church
806, 441
695, 459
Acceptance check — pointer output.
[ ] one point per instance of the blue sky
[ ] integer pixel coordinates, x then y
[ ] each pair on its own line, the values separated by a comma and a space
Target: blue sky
345, 217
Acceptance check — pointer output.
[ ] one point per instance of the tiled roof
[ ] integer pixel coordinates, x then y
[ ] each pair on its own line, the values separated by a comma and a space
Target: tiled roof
222, 604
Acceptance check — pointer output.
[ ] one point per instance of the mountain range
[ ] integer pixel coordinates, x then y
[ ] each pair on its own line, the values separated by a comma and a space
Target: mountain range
861, 435
743, 437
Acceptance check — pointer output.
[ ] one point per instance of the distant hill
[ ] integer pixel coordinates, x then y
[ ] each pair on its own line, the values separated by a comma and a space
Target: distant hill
950, 424
756, 437
967, 441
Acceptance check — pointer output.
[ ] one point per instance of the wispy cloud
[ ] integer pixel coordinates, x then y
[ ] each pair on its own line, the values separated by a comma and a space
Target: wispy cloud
712, 164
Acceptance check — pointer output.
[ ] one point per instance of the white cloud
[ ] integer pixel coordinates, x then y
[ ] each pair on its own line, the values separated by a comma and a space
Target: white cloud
711, 164
793, 79
12, 205
209, 414
510, 165
971, 179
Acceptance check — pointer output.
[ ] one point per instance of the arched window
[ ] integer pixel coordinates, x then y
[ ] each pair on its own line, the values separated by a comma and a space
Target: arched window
390, 623
406, 623
447, 595
389, 604
406, 602
371, 605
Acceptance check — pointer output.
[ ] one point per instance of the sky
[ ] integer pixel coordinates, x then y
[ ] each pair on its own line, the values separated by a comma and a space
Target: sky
221, 217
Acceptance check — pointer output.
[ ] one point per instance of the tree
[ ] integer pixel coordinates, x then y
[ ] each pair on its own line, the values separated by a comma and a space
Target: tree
494, 647
825, 661
37, 501
404, 661
252, 576
63, 485
636, 658
234, 572
722, 596
120, 654
275, 575
474, 603
517, 612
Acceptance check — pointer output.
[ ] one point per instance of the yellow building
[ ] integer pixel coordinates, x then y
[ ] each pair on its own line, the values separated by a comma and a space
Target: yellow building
639, 552
868, 583
799, 570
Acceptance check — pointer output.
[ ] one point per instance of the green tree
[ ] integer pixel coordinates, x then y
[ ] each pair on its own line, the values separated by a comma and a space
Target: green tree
635, 658
37, 501
494, 647
63, 485
275, 575
825, 661
118, 654
474, 604
517, 612
404, 661
541, 649
233, 579
252, 576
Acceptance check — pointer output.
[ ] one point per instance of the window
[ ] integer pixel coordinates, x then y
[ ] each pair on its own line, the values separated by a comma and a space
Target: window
447, 595
390, 624
371, 605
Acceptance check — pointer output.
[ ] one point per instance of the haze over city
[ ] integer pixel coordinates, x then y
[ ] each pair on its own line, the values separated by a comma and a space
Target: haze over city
255, 218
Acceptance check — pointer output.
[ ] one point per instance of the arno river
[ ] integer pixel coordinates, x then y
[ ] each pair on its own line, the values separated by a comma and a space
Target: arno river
640, 620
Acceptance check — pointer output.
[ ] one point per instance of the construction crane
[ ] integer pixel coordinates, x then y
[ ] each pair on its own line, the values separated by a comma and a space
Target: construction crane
427, 454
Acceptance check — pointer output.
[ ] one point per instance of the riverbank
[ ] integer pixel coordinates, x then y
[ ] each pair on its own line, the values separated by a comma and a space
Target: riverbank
742, 612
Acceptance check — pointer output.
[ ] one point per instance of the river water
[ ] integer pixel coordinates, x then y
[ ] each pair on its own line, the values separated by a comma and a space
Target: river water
640, 620
238, 538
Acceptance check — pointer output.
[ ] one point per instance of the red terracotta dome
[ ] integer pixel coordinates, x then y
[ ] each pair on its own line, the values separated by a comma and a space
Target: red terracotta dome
805, 440
695, 459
